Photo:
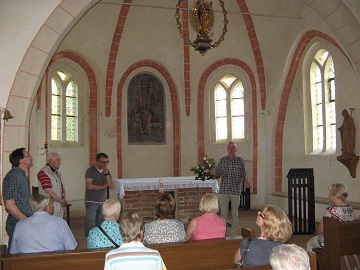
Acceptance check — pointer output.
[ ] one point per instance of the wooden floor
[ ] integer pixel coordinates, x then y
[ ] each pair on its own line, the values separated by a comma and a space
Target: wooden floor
247, 219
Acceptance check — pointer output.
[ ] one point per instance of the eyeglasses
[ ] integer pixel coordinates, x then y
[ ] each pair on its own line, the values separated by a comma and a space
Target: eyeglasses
260, 214
104, 162
27, 156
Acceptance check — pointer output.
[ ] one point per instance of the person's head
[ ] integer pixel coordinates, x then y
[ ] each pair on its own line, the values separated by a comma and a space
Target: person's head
289, 257
274, 223
165, 206
338, 191
209, 204
21, 158
345, 113
54, 160
231, 148
40, 202
102, 160
111, 210
131, 227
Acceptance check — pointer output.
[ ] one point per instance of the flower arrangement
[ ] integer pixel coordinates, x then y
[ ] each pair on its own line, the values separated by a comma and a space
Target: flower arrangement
203, 167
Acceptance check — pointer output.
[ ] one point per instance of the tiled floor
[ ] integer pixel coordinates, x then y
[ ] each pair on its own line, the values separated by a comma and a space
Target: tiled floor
246, 220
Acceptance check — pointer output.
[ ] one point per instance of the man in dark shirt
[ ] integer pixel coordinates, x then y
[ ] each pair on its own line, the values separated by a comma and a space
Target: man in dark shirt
97, 179
16, 190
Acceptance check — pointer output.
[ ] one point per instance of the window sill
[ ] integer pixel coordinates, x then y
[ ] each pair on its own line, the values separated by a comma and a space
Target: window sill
320, 200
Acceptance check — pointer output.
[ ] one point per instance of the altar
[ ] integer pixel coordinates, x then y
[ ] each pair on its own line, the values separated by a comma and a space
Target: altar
139, 194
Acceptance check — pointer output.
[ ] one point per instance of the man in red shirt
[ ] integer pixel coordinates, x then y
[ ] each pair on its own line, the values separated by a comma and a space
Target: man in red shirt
52, 183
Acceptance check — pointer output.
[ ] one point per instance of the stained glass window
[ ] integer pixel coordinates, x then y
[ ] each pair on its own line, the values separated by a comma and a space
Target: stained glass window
64, 108
229, 109
322, 81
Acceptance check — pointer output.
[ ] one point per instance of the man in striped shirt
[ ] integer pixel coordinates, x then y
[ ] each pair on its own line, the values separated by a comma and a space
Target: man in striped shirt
52, 183
132, 254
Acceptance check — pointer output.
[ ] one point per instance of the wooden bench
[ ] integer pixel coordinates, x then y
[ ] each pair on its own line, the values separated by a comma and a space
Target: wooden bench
340, 238
207, 254
214, 254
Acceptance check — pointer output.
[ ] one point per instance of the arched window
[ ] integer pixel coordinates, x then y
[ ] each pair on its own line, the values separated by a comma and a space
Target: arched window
322, 87
64, 107
229, 109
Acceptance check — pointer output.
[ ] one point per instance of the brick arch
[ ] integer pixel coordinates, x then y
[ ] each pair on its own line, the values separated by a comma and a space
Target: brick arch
342, 20
113, 54
279, 131
33, 67
201, 93
250, 28
175, 111
92, 100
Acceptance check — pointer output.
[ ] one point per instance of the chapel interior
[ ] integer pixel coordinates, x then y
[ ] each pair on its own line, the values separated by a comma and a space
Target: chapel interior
285, 70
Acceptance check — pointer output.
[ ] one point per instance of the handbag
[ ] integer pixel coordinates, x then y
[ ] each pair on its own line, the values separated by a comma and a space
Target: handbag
242, 262
112, 241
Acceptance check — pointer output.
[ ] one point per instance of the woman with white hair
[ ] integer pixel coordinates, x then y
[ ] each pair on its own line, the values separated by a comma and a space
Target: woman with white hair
209, 225
108, 233
289, 257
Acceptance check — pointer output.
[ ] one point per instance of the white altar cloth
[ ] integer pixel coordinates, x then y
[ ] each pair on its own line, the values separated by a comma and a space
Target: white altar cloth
170, 183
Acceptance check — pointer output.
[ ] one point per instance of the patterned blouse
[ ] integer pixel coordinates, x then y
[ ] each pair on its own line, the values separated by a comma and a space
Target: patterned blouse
342, 213
97, 239
164, 231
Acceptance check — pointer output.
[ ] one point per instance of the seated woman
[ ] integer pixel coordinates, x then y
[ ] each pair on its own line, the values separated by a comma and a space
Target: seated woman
165, 229
110, 236
275, 229
209, 225
338, 209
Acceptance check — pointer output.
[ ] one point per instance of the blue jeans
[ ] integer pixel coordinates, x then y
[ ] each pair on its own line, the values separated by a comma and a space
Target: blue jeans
94, 216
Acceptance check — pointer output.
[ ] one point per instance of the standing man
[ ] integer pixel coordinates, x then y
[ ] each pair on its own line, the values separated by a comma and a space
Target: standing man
52, 183
16, 190
232, 171
97, 179
42, 232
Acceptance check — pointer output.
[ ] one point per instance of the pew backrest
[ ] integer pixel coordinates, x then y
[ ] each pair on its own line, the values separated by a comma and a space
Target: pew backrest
340, 238
206, 254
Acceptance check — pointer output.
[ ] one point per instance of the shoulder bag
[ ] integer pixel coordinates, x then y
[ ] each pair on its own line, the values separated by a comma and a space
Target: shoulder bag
108, 237
242, 262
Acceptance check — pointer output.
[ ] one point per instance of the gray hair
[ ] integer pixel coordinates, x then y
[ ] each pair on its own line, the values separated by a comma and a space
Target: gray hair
289, 257
38, 202
52, 155
233, 143
131, 227
111, 209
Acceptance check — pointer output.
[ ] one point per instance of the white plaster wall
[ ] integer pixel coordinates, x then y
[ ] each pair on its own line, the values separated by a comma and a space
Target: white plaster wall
152, 34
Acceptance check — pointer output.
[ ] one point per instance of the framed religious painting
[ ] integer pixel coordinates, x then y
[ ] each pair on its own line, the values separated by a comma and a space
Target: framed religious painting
146, 110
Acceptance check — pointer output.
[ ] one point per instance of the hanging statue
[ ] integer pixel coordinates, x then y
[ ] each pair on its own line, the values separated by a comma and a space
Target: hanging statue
347, 132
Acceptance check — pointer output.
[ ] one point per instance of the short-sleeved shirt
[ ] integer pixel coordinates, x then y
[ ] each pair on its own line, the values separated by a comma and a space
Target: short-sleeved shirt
259, 251
16, 187
341, 212
98, 179
232, 173
134, 256
97, 239
164, 231
209, 226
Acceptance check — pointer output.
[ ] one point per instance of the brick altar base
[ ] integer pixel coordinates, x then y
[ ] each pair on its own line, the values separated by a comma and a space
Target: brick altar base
143, 202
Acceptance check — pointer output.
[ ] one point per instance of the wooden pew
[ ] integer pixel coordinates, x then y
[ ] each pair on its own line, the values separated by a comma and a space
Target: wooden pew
340, 238
214, 254
206, 254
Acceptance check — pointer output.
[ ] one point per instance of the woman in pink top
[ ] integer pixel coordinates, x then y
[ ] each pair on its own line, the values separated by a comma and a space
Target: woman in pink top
209, 225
